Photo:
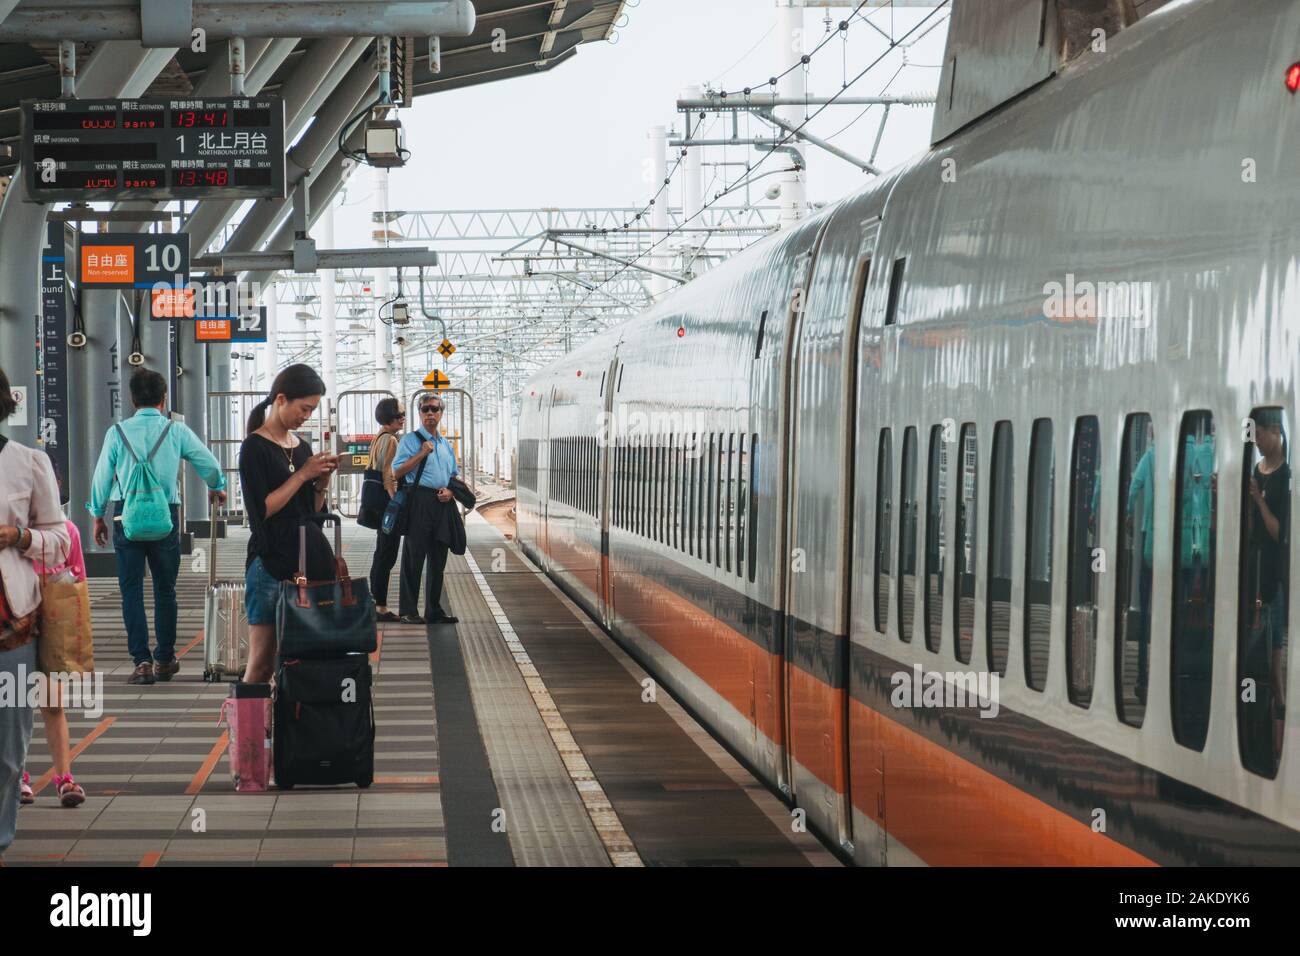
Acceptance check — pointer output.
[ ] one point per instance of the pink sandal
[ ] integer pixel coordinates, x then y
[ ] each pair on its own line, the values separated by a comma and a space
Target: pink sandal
25, 795
70, 792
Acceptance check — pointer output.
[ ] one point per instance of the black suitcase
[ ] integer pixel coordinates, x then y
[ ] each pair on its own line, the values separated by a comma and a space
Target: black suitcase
324, 725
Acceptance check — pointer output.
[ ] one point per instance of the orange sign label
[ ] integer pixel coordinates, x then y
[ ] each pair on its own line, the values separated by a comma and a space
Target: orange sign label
173, 303
107, 264
212, 330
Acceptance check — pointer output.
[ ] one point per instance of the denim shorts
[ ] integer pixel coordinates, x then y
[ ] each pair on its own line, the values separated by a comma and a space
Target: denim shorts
261, 591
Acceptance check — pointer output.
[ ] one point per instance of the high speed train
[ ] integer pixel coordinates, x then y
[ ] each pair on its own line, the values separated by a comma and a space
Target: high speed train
960, 511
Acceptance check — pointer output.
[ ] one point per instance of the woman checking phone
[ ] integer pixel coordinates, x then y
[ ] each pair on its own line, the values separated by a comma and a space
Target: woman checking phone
284, 485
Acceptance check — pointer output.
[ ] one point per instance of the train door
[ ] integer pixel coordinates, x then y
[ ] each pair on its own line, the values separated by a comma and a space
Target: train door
821, 396
606, 463
788, 424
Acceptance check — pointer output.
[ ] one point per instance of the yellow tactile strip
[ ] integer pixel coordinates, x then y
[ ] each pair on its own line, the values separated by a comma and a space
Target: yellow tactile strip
619, 846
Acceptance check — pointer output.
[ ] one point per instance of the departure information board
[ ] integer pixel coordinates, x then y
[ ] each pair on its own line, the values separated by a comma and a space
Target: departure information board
154, 148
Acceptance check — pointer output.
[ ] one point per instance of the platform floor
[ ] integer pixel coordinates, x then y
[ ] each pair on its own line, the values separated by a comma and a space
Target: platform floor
517, 737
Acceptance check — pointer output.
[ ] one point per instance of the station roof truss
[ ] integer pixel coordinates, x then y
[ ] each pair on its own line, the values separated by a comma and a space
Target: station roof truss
515, 289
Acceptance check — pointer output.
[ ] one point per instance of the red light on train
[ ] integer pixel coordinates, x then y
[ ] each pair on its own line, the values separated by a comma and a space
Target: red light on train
579, 373
681, 331
1293, 77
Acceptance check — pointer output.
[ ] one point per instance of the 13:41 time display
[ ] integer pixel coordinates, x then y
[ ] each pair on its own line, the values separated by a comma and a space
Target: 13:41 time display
200, 119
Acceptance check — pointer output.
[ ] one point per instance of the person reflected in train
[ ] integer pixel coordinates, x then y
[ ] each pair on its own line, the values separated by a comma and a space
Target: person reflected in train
1267, 543
284, 486
391, 419
1197, 506
149, 435
430, 456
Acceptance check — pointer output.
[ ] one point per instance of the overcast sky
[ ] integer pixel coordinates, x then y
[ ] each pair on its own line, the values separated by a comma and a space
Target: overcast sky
576, 136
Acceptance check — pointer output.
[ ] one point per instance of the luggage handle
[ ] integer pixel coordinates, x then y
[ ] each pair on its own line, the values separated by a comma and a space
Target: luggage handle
342, 577
212, 545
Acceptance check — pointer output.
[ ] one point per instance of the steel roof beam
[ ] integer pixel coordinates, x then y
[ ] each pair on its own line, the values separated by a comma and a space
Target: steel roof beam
101, 20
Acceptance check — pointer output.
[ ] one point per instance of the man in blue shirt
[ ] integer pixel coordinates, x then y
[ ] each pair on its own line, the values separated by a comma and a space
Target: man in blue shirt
430, 456
112, 473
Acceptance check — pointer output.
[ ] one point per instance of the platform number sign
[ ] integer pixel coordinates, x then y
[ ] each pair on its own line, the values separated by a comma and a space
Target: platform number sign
446, 349
129, 260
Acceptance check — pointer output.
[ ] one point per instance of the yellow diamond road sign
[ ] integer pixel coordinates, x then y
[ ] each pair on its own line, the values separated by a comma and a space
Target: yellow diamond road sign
437, 379
446, 348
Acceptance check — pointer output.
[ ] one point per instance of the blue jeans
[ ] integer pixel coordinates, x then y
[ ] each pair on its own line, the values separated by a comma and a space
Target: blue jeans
164, 562
15, 736
261, 594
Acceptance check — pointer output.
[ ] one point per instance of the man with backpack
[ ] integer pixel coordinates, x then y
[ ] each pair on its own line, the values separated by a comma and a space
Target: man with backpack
137, 472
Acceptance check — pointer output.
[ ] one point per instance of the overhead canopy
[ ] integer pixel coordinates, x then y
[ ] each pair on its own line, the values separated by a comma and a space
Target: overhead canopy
511, 38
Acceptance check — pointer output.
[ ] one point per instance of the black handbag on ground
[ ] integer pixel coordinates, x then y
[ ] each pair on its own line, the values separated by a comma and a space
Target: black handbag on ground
324, 722
324, 618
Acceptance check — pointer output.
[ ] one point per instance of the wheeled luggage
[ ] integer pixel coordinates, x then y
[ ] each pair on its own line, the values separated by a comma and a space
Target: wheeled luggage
324, 722
225, 622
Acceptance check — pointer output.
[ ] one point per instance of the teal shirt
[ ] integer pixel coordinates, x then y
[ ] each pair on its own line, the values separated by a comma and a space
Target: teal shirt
142, 431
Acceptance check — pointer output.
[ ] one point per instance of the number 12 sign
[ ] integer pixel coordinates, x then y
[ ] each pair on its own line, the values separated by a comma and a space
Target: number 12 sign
131, 260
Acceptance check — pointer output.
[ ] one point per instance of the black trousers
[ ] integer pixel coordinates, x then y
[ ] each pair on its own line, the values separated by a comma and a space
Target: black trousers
420, 549
381, 566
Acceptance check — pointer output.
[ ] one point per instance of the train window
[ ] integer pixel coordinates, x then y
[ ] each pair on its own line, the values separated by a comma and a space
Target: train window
1085, 560
753, 507
691, 470
709, 501
907, 503
997, 599
963, 618
762, 327
935, 544
1133, 573
895, 290
1264, 592
1192, 634
741, 488
730, 510
884, 522
720, 529
1040, 512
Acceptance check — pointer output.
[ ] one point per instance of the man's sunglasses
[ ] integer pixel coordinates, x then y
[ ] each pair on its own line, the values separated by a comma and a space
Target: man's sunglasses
430, 408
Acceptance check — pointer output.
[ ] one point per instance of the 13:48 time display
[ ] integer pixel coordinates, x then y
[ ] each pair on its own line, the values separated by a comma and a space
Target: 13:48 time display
196, 178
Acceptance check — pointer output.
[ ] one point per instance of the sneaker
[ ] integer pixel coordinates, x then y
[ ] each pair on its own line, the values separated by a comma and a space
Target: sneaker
166, 671
70, 792
143, 674
25, 795
412, 619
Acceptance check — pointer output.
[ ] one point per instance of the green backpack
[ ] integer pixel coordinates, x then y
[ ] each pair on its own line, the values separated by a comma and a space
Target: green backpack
146, 511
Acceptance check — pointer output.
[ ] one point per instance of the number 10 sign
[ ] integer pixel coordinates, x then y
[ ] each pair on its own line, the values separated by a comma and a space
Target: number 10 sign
132, 260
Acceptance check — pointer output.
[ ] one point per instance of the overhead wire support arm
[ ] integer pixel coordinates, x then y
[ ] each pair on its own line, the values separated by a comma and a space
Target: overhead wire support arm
621, 261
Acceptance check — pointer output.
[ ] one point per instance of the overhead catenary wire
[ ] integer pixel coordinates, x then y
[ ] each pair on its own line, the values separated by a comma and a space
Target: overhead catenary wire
793, 134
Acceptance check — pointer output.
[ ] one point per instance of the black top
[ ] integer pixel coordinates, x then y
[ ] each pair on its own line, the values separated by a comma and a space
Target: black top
1267, 555
264, 467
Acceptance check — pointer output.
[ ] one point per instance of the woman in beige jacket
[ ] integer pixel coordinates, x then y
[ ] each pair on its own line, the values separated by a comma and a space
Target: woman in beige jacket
391, 419
31, 529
